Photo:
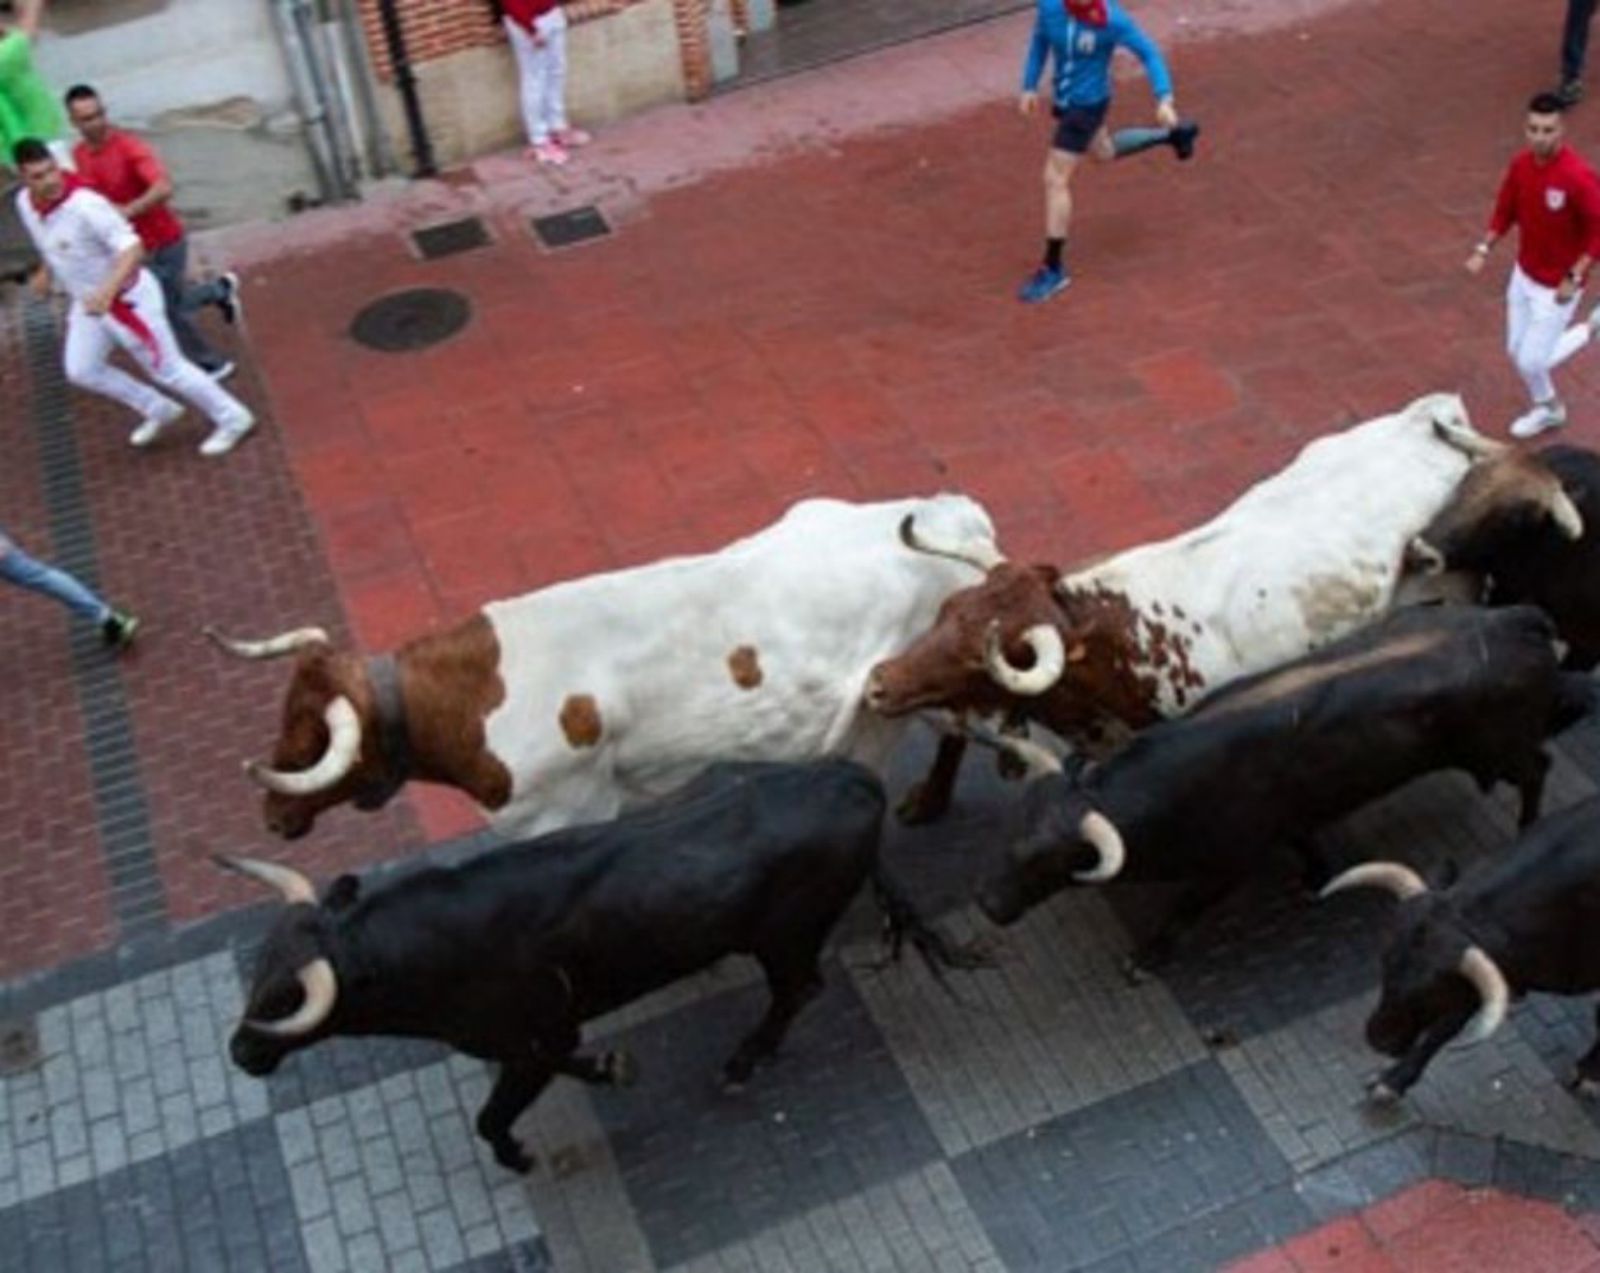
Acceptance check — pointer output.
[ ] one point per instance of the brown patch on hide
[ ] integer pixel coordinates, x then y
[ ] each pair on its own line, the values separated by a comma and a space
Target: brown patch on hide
745, 667
580, 720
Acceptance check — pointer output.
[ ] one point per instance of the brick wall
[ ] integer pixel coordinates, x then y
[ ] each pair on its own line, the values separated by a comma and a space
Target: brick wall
437, 28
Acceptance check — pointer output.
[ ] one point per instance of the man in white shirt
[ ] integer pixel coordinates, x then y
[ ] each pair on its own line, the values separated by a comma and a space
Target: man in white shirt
95, 255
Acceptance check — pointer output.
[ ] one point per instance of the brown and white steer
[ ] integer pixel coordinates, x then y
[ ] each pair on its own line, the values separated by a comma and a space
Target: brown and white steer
1301, 559
574, 702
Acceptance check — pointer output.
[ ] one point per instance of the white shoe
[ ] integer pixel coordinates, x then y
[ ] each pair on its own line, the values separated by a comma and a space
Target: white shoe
1545, 415
224, 438
151, 428
222, 372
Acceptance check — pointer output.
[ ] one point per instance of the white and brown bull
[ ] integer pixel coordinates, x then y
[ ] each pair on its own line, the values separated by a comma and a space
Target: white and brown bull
1303, 558
582, 699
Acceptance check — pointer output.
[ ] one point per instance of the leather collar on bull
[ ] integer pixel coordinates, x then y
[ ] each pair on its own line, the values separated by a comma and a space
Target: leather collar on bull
393, 737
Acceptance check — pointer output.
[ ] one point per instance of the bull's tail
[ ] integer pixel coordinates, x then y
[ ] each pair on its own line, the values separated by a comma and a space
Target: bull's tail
901, 921
1577, 695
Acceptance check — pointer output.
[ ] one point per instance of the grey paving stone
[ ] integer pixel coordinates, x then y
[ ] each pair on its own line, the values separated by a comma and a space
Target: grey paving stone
678, 1138
1117, 1175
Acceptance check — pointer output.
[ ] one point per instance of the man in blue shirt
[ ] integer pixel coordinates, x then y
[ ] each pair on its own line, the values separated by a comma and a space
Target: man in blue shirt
1079, 37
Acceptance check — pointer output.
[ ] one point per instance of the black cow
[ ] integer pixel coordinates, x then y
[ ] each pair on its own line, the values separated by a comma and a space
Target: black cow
1524, 921
1518, 523
1206, 798
505, 956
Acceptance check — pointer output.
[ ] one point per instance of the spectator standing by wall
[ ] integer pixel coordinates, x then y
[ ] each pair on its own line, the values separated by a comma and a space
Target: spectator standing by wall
27, 106
537, 30
127, 171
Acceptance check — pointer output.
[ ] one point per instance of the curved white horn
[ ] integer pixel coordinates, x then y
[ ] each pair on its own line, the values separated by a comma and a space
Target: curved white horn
1100, 831
1049, 659
272, 647
1565, 514
985, 556
1039, 760
344, 746
1490, 983
322, 989
1393, 877
1467, 440
294, 886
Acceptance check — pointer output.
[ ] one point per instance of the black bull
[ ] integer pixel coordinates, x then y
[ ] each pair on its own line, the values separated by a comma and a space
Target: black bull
1525, 921
505, 956
1261, 765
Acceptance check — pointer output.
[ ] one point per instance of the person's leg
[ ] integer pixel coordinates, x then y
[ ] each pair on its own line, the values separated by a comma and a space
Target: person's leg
170, 265
1133, 141
1543, 322
1575, 47
156, 350
84, 359
531, 70
555, 77
23, 571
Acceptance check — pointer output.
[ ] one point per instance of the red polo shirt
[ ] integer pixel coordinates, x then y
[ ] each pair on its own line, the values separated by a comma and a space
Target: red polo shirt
122, 168
1556, 208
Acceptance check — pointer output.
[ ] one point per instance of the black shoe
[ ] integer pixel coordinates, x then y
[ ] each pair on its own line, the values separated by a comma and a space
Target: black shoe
1570, 92
231, 304
118, 629
1183, 137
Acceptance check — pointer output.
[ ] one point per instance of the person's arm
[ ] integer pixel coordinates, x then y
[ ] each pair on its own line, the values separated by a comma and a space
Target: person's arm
1587, 198
1128, 33
122, 269
113, 229
157, 185
1501, 219
1033, 65
28, 13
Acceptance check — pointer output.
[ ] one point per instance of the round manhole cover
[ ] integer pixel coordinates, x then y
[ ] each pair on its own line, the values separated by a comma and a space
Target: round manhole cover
411, 320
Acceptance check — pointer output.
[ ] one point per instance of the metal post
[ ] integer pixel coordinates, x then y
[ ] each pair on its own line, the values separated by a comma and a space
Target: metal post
395, 38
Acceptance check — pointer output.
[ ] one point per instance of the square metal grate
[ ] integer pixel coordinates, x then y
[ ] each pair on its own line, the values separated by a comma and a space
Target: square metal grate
576, 225
450, 237
19, 1046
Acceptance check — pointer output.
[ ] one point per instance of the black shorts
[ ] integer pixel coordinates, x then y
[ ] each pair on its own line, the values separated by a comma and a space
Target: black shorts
1077, 125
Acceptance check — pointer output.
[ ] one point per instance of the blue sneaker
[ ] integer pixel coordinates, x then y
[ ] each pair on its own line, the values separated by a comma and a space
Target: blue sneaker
1044, 284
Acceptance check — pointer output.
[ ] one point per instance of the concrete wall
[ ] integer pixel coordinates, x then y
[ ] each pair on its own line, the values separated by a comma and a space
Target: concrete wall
617, 64
205, 81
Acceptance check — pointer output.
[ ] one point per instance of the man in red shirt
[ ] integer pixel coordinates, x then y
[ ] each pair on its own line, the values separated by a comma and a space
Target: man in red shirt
1553, 198
130, 174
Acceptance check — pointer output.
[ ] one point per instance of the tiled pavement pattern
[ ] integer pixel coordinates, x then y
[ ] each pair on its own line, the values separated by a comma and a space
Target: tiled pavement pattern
663, 391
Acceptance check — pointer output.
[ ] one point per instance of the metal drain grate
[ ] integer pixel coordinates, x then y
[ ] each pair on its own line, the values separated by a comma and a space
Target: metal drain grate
411, 320
450, 237
576, 225
19, 1047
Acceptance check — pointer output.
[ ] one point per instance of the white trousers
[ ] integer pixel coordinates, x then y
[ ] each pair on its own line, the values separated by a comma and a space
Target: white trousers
542, 75
1540, 334
90, 340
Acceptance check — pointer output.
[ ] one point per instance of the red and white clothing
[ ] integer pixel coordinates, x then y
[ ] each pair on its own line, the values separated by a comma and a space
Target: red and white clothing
122, 168
1555, 206
541, 64
80, 237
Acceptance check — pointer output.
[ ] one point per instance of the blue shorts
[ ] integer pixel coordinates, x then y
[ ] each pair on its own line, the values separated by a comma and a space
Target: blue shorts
1077, 125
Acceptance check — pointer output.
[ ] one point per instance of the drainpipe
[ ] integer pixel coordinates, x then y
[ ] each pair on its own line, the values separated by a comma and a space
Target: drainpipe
341, 161
312, 106
395, 38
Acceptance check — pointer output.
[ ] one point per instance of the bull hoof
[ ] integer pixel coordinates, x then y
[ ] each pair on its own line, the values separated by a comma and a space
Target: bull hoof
620, 1068
1382, 1095
922, 805
511, 1155
1583, 1085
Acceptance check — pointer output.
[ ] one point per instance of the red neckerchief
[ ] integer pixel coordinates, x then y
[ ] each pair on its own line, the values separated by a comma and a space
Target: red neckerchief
1091, 11
120, 309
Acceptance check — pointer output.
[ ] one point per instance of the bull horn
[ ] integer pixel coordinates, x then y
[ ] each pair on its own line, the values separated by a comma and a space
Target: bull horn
1467, 440
1101, 832
1049, 659
322, 990
1490, 983
1564, 513
294, 886
1393, 877
983, 556
344, 746
272, 647
1423, 558
1039, 760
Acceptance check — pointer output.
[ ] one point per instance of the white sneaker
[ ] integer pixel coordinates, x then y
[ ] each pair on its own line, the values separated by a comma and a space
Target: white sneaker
224, 438
152, 427
222, 372
1544, 415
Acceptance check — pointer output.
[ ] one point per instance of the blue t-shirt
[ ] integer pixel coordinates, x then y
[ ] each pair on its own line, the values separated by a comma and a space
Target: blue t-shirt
1082, 54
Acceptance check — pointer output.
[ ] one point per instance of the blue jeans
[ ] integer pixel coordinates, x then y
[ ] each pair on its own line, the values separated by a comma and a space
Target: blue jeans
1575, 38
18, 568
170, 265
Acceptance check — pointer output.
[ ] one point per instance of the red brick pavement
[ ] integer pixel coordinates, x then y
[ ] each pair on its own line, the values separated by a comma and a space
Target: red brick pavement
831, 318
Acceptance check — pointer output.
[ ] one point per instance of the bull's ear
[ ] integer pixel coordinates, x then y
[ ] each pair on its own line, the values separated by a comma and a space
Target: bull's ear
342, 893
1077, 652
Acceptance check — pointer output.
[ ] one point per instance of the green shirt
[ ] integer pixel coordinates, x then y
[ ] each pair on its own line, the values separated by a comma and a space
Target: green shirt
27, 106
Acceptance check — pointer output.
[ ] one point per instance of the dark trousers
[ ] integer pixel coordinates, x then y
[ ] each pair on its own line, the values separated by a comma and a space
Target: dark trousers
1575, 38
170, 265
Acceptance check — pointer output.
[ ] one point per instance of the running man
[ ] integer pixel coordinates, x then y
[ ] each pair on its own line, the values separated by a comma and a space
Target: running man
1553, 198
117, 628
1080, 36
